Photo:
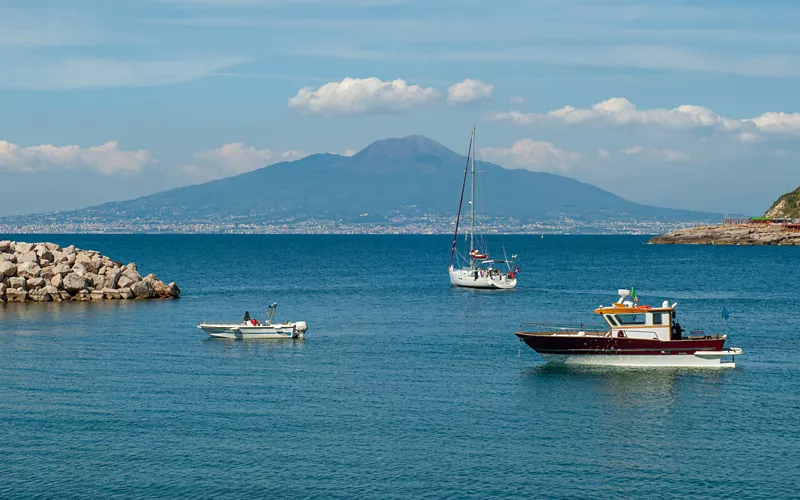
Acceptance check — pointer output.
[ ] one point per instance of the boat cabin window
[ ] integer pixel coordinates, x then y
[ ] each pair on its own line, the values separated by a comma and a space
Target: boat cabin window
658, 319
631, 319
611, 320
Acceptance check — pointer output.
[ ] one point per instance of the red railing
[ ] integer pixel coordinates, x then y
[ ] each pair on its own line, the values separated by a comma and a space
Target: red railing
788, 225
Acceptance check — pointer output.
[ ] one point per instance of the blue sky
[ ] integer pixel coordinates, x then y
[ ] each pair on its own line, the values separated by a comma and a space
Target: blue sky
678, 104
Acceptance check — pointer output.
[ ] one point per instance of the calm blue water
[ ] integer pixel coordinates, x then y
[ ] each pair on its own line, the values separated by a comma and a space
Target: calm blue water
405, 387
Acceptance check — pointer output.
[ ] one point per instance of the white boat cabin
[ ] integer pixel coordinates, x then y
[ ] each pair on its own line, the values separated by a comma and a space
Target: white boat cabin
625, 318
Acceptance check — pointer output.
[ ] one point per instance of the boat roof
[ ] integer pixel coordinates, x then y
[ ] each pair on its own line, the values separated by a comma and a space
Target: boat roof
618, 308
622, 306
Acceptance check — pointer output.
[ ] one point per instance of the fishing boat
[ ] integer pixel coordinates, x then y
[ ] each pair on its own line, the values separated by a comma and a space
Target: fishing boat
634, 335
475, 269
251, 328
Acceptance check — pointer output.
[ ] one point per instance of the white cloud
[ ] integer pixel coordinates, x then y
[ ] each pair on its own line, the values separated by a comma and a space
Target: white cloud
603, 153
354, 96
517, 100
469, 90
531, 155
748, 137
88, 73
235, 158
668, 155
619, 111
777, 123
106, 159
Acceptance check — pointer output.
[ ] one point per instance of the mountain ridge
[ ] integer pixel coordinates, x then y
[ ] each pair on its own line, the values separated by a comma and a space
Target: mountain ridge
389, 180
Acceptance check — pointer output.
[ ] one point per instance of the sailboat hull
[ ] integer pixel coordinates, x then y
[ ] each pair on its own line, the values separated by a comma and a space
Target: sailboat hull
469, 279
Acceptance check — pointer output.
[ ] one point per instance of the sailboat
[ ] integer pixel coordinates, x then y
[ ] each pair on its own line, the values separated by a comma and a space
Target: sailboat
476, 269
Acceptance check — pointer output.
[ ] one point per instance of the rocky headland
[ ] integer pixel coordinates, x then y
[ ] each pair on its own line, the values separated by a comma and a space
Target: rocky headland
778, 226
751, 234
46, 272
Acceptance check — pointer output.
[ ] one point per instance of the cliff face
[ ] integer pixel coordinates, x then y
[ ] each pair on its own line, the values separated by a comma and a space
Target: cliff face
787, 205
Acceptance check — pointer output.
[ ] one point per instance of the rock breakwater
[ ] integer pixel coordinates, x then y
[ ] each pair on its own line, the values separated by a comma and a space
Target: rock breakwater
730, 235
46, 272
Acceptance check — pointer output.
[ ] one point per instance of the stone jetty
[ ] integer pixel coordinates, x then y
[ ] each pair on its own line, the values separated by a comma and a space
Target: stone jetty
46, 272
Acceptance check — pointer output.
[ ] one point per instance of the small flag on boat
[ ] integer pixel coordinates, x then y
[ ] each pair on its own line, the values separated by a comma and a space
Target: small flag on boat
633, 295
725, 314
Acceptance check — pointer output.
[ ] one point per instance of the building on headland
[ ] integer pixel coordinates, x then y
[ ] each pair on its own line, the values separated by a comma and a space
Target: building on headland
788, 223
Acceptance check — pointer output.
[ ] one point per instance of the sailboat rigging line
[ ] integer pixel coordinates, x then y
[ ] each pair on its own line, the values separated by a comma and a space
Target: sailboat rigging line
461, 200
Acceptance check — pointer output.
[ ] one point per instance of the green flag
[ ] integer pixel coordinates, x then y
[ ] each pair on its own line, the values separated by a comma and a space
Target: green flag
633, 295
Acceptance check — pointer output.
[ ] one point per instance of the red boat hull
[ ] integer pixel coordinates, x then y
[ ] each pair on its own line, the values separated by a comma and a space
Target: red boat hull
576, 345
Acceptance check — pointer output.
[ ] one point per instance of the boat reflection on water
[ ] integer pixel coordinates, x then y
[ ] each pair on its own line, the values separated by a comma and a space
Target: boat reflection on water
655, 389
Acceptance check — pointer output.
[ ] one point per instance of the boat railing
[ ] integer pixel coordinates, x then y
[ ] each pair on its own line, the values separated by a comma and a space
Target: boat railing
569, 329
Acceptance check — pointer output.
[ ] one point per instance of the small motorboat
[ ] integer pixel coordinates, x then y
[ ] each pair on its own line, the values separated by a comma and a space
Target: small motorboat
634, 335
251, 328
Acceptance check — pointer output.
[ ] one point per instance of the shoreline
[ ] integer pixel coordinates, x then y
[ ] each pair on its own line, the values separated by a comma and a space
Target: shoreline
747, 235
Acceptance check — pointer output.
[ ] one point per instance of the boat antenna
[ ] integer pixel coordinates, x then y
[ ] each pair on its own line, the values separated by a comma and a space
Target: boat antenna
461, 200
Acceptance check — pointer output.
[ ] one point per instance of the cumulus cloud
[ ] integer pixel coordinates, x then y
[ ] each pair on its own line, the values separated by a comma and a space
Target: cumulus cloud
469, 90
531, 155
621, 111
106, 159
777, 123
235, 158
355, 96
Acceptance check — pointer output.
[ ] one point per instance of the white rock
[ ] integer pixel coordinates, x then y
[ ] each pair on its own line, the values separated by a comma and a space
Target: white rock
29, 270
112, 277
22, 247
7, 268
27, 257
143, 290
57, 281
74, 283
125, 282
16, 295
16, 282
34, 283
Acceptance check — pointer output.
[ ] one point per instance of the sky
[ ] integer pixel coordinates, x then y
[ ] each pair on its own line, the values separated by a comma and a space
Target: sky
682, 104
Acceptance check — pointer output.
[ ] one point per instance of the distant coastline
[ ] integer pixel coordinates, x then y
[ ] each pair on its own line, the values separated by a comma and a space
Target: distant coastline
432, 224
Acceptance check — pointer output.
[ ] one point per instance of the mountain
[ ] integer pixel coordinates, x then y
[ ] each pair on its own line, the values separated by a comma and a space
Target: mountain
788, 205
389, 180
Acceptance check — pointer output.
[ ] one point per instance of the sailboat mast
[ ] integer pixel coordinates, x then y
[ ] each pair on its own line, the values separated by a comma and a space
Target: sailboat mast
472, 203
460, 203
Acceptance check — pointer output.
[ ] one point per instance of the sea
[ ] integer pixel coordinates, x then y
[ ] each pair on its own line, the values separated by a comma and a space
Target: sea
404, 386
